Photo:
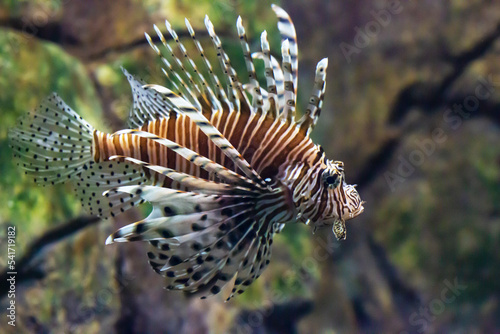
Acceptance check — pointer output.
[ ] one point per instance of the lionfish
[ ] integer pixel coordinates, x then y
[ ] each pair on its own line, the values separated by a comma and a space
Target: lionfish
225, 165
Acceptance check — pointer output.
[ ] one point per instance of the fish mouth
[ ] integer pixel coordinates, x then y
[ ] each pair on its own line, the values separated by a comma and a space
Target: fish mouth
339, 228
356, 212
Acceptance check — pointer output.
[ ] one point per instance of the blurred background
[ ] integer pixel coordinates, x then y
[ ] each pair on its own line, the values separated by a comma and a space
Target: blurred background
412, 107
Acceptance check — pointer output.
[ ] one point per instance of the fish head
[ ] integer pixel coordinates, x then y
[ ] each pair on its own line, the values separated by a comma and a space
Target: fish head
332, 201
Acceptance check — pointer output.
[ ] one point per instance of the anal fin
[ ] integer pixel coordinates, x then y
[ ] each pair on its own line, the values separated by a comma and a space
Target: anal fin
96, 178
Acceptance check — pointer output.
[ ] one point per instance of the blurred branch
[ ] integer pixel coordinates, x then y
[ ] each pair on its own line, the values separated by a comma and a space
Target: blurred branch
53, 32
129, 310
105, 99
50, 31
376, 163
140, 42
428, 97
398, 287
27, 267
278, 318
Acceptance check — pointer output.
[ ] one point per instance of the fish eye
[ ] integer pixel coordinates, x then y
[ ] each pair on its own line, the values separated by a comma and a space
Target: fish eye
331, 179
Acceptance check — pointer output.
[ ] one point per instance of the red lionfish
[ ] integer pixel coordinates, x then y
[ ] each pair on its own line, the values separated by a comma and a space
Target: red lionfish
224, 169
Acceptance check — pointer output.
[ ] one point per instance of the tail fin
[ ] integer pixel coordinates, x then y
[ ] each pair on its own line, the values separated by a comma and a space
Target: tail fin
53, 143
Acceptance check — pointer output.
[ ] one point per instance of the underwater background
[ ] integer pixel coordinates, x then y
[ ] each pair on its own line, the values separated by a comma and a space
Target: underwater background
412, 108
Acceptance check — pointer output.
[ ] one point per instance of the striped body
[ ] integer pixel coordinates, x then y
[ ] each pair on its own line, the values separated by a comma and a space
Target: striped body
224, 169
270, 145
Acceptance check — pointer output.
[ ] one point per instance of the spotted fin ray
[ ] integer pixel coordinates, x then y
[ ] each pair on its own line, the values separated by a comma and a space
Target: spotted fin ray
147, 105
53, 143
97, 178
199, 241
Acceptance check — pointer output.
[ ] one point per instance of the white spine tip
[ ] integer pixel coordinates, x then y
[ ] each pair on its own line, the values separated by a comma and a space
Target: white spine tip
150, 41
168, 25
209, 26
322, 66
285, 47
239, 26
109, 240
263, 41
279, 11
190, 28
257, 55
158, 88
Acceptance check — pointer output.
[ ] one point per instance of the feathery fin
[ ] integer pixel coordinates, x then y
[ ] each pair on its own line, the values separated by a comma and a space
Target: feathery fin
93, 183
147, 106
52, 144
199, 241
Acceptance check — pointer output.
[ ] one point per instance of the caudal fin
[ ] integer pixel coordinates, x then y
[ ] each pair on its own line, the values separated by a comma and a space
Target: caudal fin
53, 143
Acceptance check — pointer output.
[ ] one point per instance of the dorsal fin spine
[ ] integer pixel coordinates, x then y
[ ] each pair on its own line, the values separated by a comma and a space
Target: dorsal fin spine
230, 73
190, 94
270, 82
289, 109
216, 85
169, 67
257, 101
287, 31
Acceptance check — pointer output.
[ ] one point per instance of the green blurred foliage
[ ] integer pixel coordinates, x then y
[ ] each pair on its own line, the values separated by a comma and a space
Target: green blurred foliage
31, 71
